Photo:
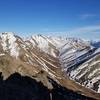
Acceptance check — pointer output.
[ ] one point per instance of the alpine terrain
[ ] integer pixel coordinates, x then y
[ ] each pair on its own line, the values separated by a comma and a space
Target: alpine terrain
57, 68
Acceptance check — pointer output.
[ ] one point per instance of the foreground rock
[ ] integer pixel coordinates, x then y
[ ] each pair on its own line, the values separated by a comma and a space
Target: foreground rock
17, 87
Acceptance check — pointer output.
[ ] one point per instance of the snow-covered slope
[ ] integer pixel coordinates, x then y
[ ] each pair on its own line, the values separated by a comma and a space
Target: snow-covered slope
74, 55
8, 42
88, 73
49, 45
62, 59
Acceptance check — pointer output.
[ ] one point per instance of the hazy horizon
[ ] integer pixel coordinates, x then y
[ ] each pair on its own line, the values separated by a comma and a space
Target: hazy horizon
72, 18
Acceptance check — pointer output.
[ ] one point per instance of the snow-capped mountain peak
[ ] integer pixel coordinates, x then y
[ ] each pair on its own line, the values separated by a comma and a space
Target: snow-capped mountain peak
8, 42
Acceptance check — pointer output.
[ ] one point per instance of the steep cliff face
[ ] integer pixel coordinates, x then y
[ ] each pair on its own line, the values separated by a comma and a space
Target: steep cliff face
71, 63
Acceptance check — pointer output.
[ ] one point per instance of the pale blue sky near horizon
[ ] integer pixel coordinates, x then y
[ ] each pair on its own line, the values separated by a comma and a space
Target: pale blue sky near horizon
73, 18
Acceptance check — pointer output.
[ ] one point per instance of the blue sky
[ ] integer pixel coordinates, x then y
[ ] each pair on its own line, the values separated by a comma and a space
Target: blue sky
73, 18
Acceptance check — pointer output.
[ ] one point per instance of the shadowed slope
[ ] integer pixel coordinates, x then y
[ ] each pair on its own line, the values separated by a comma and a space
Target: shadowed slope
18, 87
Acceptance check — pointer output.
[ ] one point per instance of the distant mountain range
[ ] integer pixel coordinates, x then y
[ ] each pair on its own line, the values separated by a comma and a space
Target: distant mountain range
72, 63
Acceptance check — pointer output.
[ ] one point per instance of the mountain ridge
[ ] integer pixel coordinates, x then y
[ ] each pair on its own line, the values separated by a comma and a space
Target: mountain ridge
63, 60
